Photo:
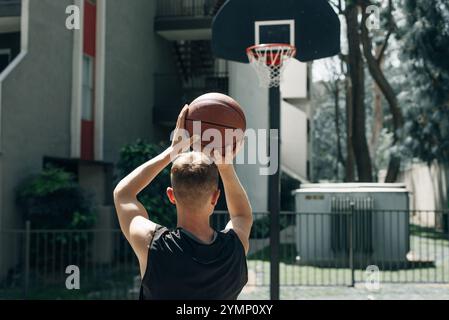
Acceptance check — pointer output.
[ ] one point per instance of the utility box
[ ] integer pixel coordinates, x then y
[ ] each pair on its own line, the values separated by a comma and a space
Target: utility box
377, 214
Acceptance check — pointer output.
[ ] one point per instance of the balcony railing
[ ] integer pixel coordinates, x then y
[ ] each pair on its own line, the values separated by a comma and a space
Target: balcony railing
10, 8
187, 8
172, 92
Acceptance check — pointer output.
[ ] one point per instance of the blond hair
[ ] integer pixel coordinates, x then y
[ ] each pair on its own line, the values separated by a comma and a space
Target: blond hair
194, 178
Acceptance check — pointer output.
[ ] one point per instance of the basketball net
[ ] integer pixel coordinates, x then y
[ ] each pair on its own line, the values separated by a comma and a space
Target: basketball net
269, 61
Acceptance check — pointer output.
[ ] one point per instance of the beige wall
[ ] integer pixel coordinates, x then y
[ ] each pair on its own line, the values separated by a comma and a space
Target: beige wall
294, 141
428, 186
244, 87
294, 84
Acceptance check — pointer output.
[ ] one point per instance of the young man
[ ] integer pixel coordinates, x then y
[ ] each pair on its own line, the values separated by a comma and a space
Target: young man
193, 261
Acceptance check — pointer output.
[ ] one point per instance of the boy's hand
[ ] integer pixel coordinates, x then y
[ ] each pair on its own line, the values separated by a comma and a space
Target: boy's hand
227, 159
181, 140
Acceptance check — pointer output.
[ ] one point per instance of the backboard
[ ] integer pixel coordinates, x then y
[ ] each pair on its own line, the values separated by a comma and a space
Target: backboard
312, 26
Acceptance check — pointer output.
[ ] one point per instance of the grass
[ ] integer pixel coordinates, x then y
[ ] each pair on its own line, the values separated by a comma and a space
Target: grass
287, 254
427, 232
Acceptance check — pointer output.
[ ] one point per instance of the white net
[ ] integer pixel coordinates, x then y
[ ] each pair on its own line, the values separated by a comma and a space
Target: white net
269, 61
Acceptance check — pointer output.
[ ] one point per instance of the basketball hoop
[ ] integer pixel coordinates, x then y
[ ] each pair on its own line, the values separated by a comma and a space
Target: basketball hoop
269, 61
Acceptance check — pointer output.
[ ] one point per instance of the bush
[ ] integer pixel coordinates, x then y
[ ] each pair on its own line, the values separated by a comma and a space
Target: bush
153, 197
288, 184
53, 200
261, 227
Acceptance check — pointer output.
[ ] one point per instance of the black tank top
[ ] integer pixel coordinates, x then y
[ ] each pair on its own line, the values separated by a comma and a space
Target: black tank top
182, 268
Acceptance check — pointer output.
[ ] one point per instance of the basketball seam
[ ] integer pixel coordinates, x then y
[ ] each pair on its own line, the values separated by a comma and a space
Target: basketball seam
214, 124
239, 111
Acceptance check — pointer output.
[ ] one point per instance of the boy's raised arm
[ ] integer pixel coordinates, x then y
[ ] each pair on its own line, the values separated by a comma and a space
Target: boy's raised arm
237, 201
132, 215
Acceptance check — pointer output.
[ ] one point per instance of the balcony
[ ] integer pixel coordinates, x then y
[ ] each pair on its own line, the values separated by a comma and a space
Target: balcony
185, 19
10, 8
172, 93
10, 11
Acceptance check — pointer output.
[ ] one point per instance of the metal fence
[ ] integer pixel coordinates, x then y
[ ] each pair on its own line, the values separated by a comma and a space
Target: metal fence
34, 264
341, 249
316, 249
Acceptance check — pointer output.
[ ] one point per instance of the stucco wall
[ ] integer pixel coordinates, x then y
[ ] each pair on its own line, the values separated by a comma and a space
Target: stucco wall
294, 140
36, 100
244, 87
133, 54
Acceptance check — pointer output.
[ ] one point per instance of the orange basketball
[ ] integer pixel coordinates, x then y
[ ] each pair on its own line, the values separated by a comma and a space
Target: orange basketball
220, 112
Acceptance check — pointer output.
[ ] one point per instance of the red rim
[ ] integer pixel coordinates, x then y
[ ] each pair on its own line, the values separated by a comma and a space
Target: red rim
249, 50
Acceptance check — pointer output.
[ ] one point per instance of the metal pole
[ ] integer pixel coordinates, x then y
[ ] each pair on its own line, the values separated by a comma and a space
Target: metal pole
351, 244
274, 191
27, 256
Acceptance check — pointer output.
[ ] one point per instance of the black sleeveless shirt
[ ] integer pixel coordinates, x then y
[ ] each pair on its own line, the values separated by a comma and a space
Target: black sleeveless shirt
182, 268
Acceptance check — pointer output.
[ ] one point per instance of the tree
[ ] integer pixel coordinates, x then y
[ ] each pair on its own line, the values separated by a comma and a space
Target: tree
424, 36
357, 144
366, 48
378, 115
327, 165
152, 196
375, 68
357, 76
333, 87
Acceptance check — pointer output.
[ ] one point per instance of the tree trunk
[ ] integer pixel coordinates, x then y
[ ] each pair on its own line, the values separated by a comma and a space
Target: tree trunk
377, 120
350, 162
356, 71
340, 159
378, 117
387, 90
394, 167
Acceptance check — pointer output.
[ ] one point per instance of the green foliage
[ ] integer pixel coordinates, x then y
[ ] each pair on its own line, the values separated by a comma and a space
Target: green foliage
53, 199
325, 162
424, 37
153, 197
261, 226
49, 181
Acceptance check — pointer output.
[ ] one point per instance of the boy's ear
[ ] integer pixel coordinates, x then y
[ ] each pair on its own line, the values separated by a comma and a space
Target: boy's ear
215, 197
171, 195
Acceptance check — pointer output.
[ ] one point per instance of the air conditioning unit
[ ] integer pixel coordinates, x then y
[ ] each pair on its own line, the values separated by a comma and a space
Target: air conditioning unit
380, 224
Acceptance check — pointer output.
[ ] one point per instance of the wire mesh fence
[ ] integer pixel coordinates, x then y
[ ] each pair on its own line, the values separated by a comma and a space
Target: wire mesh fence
316, 249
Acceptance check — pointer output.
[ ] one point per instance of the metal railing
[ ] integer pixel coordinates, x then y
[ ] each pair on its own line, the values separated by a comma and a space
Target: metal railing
34, 264
316, 249
10, 8
10, 2
172, 90
187, 8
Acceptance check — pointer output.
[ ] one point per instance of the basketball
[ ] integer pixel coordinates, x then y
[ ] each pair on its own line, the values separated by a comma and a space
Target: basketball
220, 112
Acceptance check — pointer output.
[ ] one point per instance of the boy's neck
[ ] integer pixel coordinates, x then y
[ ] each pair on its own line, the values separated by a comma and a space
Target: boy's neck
197, 224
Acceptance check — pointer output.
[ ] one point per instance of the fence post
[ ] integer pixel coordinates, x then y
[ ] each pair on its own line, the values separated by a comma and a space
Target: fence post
351, 243
27, 256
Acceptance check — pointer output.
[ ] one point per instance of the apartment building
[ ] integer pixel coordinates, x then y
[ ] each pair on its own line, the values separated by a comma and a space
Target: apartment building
74, 97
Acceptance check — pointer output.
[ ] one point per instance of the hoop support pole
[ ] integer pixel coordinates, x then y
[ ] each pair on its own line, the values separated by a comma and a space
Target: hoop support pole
274, 192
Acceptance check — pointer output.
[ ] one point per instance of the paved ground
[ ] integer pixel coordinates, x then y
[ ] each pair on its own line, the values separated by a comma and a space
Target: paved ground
386, 292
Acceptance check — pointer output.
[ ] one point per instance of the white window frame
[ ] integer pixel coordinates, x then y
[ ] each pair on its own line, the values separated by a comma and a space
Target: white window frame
259, 24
